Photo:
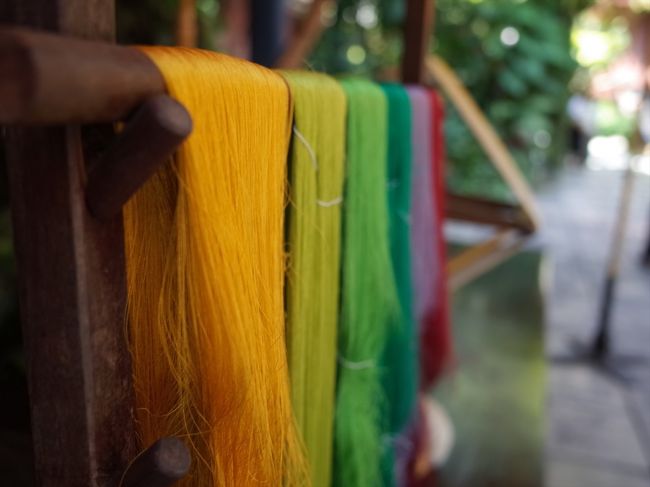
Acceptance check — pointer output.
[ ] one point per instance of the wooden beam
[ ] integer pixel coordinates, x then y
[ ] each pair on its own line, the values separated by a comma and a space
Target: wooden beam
51, 79
72, 294
485, 134
72, 286
418, 29
267, 30
477, 260
487, 212
90, 19
187, 27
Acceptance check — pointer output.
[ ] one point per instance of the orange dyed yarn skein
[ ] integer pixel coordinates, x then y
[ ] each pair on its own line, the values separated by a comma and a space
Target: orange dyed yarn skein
205, 268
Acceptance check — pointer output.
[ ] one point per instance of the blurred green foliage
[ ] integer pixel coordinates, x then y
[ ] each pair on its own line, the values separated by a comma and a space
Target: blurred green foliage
610, 121
514, 56
599, 39
145, 21
515, 59
365, 37
153, 21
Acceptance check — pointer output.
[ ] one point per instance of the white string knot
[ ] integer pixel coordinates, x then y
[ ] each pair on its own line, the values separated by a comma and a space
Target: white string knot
308, 147
329, 204
348, 364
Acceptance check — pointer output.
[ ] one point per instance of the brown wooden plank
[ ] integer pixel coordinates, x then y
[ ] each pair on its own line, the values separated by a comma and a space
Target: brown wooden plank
418, 29
72, 287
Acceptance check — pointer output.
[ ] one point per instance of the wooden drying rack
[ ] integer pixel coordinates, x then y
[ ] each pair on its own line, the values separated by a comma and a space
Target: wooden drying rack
69, 175
67, 193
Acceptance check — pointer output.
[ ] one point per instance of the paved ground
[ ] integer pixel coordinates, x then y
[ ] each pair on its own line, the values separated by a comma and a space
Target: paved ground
598, 428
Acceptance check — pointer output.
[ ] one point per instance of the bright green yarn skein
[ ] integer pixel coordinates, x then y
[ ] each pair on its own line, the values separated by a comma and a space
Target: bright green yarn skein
400, 356
369, 297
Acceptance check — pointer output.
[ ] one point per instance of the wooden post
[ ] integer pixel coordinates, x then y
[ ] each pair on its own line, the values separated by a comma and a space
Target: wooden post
72, 285
267, 30
418, 29
187, 28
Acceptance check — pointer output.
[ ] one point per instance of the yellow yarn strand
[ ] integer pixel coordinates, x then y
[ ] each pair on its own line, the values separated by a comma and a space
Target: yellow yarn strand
205, 266
314, 249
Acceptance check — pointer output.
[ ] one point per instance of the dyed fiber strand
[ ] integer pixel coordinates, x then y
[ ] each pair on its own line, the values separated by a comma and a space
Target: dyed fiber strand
400, 357
429, 263
205, 268
316, 168
369, 298
440, 339
425, 263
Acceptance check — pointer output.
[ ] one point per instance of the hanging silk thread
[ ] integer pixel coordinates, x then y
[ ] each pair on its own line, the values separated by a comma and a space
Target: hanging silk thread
438, 335
205, 268
369, 298
400, 357
425, 265
429, 261
316, 168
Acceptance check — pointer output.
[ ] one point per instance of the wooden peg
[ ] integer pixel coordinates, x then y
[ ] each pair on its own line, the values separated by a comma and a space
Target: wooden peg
156, 130
161, 465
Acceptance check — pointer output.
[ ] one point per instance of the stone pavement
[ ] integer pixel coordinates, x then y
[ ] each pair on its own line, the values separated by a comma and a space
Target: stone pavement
598, 428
